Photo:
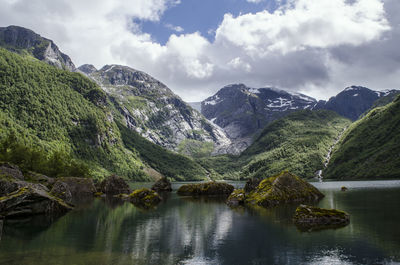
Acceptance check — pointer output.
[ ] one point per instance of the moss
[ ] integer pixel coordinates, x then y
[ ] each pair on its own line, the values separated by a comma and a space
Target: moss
282, 188
98, 194
144, 198
236, 198
209, 188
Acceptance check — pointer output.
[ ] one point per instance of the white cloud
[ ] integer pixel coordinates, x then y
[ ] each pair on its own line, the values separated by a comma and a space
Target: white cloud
304, 23
301, 46
254, 1
174, 28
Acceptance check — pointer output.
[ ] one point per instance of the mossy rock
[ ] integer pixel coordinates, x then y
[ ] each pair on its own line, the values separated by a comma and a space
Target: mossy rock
144, 198
283, 188
31, 200
209, 188
114, 185
309, 218
237, 198
162, 185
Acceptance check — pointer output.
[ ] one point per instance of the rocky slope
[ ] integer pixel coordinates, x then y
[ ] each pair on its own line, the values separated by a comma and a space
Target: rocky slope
151, 109
25, 41
243, 111
370, 147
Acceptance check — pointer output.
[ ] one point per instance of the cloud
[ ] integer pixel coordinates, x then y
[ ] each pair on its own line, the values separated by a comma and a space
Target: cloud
174, 28
254, 1
313, 46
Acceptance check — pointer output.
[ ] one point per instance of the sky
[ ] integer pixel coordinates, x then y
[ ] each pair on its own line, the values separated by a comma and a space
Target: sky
316, 47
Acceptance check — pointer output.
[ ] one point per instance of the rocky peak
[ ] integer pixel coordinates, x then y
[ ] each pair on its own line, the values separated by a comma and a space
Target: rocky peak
243, 111
22, 40
87, 68
353, 101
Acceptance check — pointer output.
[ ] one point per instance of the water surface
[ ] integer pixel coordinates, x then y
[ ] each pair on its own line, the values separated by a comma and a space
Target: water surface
183, 230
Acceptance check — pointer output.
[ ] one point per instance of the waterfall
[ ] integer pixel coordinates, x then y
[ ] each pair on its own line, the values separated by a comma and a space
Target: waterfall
328, 156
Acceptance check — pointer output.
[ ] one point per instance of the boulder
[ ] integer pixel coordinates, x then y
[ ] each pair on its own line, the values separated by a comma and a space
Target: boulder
11, 171
31, 200
114, 185
40, 178
10, 184
343, 188
236, 198
209, 188
283, 188
144, 198
162, 185
313, 218
62, 191
251, 184
80, 187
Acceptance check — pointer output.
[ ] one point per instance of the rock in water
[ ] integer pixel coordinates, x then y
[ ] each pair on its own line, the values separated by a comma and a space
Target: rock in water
162, 185
114, 185
144, 198
251, 184
313, 218
236, 198
283, 188
31, 201
62, 191
209, 188
80, 187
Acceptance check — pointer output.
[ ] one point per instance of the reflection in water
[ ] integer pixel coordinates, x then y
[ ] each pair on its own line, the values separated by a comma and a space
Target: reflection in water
206, 231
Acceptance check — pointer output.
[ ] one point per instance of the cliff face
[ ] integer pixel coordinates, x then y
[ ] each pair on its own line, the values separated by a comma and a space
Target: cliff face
154, 111
25, 41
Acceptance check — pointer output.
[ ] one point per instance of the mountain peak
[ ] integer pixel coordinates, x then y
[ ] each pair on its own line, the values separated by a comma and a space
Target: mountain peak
87, 68
22, 40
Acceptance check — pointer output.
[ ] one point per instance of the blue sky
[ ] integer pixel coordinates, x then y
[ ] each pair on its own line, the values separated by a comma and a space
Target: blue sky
202, 16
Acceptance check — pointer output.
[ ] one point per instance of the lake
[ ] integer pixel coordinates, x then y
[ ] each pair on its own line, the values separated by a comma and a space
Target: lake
182, 230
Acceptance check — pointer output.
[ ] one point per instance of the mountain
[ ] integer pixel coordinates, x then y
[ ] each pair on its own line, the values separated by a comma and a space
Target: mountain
25, 41
354, 101
298, 142
242, 111
370, 148
54, 111
151, 109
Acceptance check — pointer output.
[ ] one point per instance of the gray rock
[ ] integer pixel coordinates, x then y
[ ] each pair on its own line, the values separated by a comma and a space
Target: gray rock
162, 185
310, 218
29, 201
114, 185
10, 170
62, 191
80, 187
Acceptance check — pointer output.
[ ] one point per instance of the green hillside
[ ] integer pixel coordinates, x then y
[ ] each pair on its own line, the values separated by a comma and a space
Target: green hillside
370, 148
55, 111
298, 143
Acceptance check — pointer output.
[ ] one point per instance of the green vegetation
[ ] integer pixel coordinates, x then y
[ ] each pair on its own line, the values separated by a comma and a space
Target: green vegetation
298, 142
62, 124
168, 163
195, 148
209, 188
370, 148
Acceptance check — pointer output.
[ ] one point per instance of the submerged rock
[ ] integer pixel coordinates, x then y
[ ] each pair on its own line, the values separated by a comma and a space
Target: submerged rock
283, 188
145, 198
236, 198
114, 185
343, 188
209, 188
31, 201
162, 185
313, 218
